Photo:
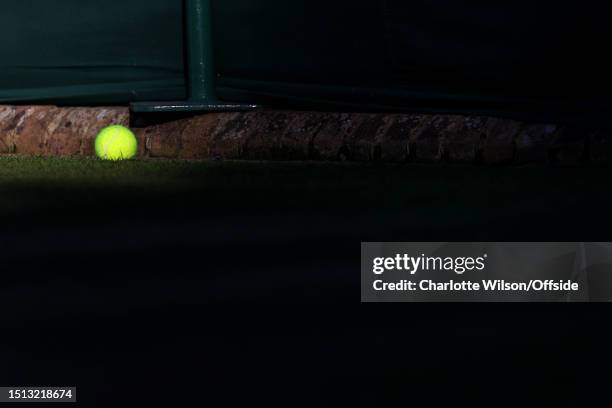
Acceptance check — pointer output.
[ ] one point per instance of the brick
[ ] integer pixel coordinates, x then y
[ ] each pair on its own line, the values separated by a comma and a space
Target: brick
426, 140
395, 141
499, 143
331, 141
197, 136
164, 141
291, 135
296, 143
365, 143
534, 143
30, 130
263, 142
7, 131
462, 138
569, 147
228, 139
89, 121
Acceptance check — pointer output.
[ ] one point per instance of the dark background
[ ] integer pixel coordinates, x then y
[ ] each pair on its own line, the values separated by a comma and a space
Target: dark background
541, 59
239, 284
231, 284
470, 55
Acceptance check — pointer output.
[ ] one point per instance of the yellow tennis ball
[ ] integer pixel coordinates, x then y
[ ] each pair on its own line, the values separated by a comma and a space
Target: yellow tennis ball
116, 143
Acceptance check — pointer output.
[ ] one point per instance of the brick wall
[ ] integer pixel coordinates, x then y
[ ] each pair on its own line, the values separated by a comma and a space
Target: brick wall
286, 135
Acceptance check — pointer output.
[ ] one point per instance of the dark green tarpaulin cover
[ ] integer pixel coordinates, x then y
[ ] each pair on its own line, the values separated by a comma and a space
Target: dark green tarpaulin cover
478, 55
91, 51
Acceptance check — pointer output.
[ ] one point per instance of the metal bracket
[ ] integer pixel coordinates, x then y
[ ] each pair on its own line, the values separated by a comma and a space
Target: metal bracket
200, 66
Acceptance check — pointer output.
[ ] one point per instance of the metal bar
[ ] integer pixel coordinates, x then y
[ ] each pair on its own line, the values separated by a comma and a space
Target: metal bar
200, 54
201, 72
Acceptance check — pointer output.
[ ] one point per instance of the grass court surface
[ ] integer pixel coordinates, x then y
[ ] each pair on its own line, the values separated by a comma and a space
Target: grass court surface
159, 273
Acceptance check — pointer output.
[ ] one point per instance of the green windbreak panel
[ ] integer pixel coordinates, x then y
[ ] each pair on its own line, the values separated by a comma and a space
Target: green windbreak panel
474, 55
91, 51
469, 55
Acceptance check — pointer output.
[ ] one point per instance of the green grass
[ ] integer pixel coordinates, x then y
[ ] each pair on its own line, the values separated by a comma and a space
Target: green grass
419, 201
90, 171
